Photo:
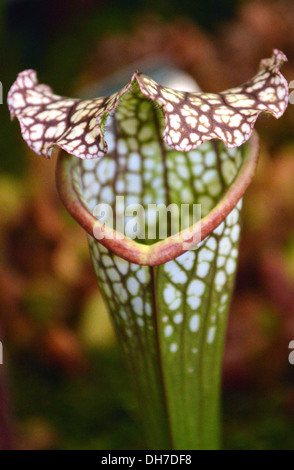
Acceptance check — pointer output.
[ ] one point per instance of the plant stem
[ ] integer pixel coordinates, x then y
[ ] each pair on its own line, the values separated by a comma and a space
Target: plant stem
173, 355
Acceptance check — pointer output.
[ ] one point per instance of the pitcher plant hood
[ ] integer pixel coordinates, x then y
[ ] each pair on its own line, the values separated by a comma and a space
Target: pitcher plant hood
77, 126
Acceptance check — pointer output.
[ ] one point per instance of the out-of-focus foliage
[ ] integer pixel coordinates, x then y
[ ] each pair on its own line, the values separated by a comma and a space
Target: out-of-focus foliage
67, 383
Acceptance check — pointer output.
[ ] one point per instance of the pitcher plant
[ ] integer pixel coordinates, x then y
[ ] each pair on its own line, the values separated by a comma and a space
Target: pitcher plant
123, 161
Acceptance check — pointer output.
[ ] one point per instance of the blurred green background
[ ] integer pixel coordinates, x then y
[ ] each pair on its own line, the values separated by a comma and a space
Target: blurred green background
62, 376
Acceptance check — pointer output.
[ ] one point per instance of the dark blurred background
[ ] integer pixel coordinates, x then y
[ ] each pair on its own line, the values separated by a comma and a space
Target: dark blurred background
63, 385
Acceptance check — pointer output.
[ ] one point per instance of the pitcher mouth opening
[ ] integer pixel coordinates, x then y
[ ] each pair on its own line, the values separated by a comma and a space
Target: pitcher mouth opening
72, 176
